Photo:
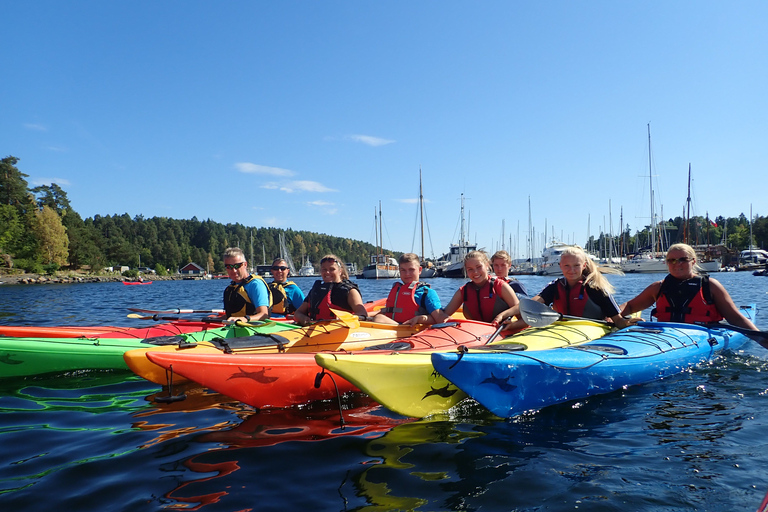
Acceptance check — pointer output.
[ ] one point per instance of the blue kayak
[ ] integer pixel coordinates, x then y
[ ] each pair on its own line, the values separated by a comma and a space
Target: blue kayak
509, 383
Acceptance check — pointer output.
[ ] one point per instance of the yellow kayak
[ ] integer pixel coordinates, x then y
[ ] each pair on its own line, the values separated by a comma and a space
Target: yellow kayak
406, 382
343, 333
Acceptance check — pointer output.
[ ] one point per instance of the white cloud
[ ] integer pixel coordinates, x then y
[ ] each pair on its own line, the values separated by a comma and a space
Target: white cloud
49, 181
249, 168
319, 203
408, 201
36, 127
58, 149
304, 186
369, 140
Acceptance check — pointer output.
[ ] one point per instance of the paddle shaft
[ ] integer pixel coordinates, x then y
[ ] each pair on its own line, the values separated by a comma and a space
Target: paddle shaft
204, 319
176, 311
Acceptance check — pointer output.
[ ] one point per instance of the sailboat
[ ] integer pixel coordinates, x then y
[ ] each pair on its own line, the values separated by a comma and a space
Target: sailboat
382, 266
428, 269
648, 260
307, 269
455, 267
284, 254
703, 258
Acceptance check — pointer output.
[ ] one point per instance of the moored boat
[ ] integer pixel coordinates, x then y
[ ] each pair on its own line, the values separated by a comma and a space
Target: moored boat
509, 383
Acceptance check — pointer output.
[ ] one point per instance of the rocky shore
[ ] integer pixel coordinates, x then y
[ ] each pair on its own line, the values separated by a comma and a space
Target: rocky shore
11, 279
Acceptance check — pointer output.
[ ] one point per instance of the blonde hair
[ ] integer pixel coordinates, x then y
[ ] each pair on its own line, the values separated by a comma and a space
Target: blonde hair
477, 255
502, 255
591, 273
688, 250
341, 265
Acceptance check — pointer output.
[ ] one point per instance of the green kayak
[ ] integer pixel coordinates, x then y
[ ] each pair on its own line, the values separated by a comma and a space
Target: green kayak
23, 357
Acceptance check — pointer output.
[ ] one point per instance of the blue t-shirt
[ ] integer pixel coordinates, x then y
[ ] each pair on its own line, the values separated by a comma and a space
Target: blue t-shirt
258, 293
295, 297
431, 301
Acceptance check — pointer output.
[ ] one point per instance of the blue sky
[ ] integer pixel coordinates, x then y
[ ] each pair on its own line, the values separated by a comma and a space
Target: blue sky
304, 114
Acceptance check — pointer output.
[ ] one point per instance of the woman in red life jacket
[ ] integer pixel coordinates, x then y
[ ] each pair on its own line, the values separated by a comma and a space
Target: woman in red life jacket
334, 291
686, 296
484, 298
410, 302
583, 291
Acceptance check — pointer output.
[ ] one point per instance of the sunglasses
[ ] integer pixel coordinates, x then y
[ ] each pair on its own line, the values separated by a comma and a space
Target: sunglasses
672, 261
280, 268
234, 266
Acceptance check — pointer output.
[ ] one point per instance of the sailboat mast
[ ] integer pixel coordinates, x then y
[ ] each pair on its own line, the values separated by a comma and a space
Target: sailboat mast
421, 214
687, 226
462, 242
381, 232
650, 178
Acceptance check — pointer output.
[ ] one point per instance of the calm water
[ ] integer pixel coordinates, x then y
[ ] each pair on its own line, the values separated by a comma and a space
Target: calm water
98, 441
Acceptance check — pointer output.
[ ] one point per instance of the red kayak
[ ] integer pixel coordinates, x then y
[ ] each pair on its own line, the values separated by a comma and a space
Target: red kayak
287, 379
169, 329
137, 282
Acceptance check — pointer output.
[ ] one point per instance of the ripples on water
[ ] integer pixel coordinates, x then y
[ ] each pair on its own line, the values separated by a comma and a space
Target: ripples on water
98, 441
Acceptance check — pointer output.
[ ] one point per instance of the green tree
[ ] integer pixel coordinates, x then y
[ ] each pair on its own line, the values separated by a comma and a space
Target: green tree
13, 186
52, 236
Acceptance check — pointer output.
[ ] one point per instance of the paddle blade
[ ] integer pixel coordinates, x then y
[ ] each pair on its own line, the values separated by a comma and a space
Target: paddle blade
536, 314
350, 320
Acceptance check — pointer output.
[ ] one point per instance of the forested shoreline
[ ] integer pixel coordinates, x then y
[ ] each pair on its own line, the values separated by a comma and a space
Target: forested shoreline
41, 233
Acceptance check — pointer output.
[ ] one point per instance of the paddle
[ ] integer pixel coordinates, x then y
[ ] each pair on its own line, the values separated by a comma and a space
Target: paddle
497, 331
205, 319
175, 311
759, 336
350, 320
536, 314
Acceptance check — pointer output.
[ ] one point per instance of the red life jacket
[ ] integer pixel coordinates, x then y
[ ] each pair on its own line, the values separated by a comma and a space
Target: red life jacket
485, 303
575, 301
401, 302
689, 301
320, 299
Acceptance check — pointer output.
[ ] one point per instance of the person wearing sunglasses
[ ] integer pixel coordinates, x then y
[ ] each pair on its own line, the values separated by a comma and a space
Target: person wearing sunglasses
286, 295
247, 297
686, 296
334, 291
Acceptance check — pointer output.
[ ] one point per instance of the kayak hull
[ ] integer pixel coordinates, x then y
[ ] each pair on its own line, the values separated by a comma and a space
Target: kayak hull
331, 335
23, 357
407, 383
287, 379
508, 384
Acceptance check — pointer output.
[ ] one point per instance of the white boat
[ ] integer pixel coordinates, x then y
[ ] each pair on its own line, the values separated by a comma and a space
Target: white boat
648, 260
307, 270
752, 259
382, 266
550, 259
454, 260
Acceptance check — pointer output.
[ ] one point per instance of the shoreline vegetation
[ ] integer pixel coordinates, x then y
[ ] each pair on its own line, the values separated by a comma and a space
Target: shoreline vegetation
76, 277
